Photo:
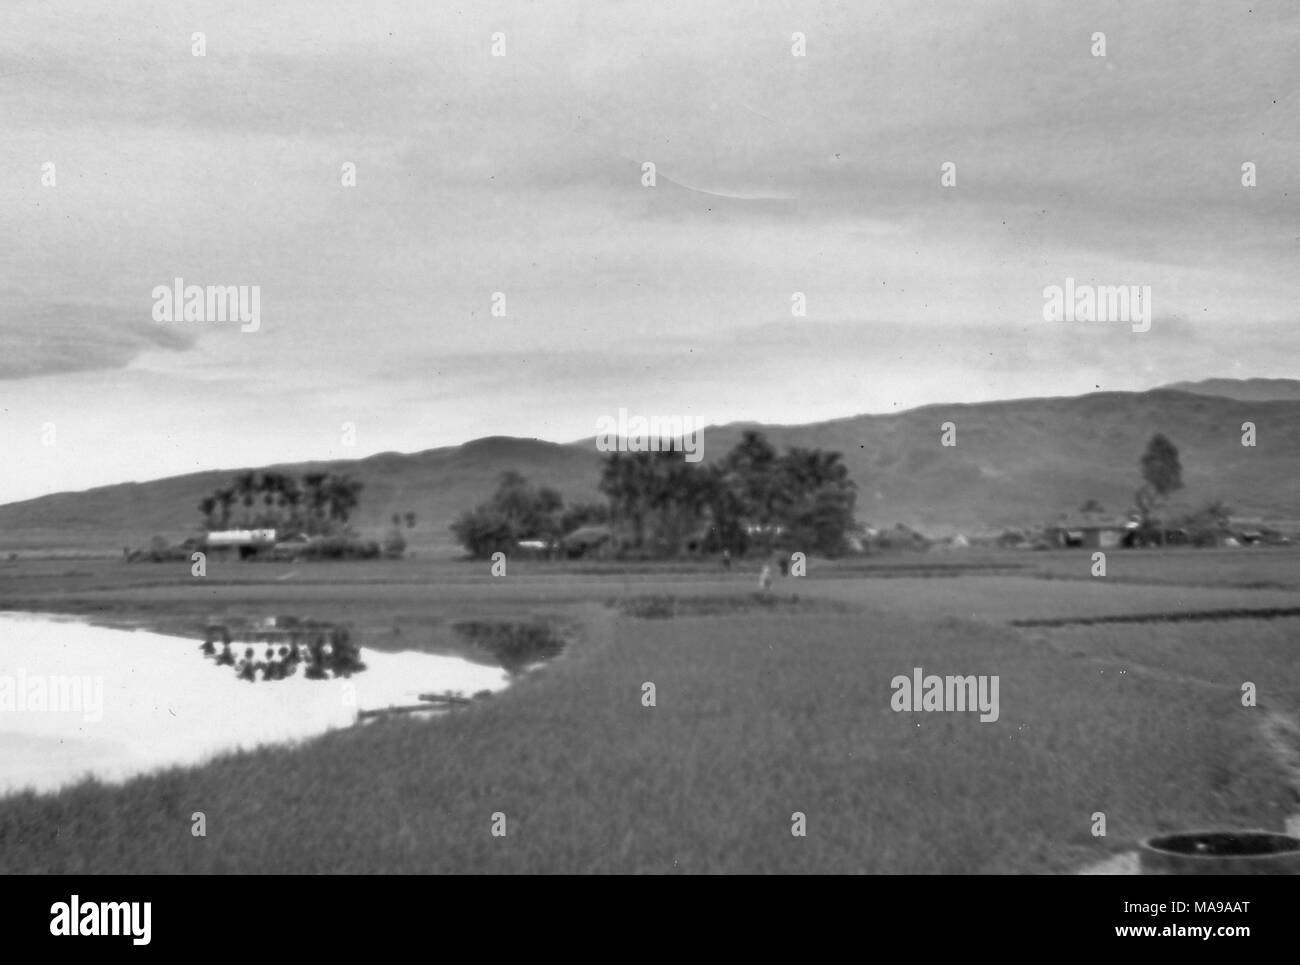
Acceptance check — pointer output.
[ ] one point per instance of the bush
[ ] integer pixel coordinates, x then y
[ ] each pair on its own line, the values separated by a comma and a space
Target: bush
395, 544
484, 531
340, 548
160, 551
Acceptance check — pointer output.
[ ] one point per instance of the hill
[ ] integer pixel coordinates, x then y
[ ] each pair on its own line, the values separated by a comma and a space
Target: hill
1244, 390
435, 485
1029, 460
1016, 462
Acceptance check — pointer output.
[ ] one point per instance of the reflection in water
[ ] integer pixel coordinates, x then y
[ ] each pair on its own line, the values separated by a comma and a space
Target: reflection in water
324, 649
516, 645
157, 705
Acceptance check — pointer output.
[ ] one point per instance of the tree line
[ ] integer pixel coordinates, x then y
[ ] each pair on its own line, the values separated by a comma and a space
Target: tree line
317, 503
657, 504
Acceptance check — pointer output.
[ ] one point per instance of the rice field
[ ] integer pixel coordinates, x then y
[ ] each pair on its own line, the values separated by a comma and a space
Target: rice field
764, 710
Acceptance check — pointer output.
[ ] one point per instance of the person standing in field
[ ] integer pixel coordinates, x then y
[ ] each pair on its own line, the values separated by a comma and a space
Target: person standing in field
765, 578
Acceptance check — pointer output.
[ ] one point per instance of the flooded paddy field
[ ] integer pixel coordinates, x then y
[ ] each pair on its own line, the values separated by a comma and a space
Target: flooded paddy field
82, 701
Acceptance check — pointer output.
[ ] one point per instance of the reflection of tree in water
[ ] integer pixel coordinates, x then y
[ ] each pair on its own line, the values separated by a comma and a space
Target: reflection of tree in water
325, 651
247, 669
516, 645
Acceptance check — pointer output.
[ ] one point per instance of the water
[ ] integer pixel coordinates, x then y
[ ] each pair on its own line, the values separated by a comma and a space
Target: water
79, 700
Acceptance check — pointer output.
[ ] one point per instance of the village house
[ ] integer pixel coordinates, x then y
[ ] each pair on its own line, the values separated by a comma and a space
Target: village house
590, 540
246, 542
1092, 532
1254, 531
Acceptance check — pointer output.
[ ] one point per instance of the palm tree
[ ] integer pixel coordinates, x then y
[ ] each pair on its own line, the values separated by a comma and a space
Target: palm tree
291, 498
270, 483
756, 468
678, 496
315, 499
246, 488
623, 481
722, 496
225, 498
343, 496
814, 468
281, 494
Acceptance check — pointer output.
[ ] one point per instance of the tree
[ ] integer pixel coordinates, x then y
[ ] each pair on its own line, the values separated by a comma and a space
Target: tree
342, 496
320, 503
804, 496
530, 512
516, 511
583, 514
270, 491
483, 531
1160, 466
622, 480
1208, 525
315, 499
658, 502
812, 468
548, 509
758, 474
279, 498
246, 488
291, 499
225, 498
726, 510
821, 521
1162, 473
817, 500
410, 520
675, 498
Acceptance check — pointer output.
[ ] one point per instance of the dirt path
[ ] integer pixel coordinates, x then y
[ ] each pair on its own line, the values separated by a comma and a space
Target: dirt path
1279, 730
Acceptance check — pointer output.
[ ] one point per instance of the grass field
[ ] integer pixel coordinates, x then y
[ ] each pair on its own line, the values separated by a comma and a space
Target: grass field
762, 710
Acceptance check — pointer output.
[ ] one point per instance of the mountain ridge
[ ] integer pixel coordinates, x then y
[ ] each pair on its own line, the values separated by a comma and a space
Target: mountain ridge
1242, 390
1015, 462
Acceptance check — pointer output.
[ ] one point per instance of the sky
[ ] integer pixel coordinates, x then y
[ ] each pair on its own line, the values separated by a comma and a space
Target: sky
519, 171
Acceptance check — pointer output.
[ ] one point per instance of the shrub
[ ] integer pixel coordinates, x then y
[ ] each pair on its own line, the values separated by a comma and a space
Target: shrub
160, 551
340, 548
395, 544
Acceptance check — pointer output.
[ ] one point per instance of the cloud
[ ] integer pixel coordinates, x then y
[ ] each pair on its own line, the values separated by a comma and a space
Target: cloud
52, 338
522, 174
